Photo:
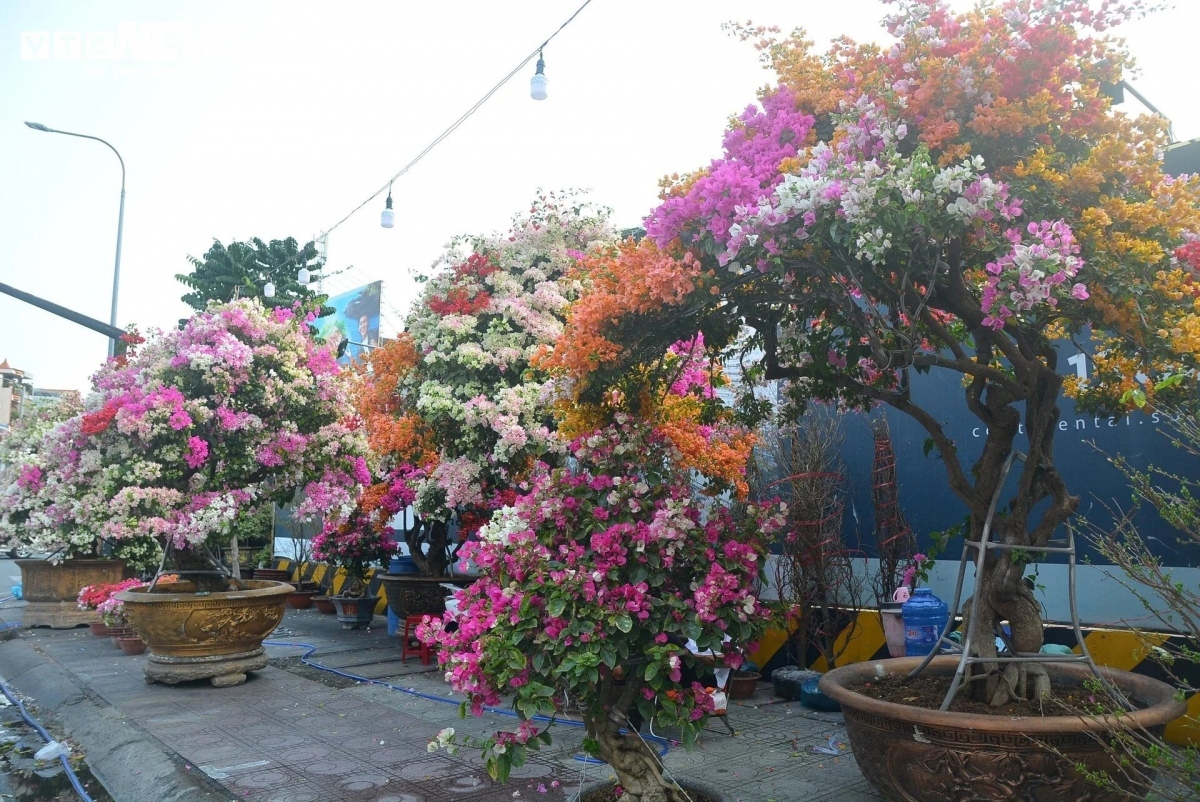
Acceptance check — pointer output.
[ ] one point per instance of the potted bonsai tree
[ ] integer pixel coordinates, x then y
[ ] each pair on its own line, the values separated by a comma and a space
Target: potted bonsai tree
592, 586
958, 204
615, 576
75, 556
360, 542
459, 405
238, 407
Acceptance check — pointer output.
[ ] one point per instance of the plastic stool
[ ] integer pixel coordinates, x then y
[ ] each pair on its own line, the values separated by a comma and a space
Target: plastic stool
407, 649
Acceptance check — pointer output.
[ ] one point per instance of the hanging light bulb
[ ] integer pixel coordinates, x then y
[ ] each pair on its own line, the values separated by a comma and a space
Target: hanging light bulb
388, 218
303, 276
269, 290
537, 84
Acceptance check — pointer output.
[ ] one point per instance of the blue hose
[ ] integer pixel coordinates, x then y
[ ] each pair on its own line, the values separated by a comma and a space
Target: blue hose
46, 736
304, 658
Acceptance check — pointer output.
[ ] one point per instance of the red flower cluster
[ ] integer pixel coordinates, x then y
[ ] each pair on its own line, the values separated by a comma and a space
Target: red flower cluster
460, 300
92, 596
96, 422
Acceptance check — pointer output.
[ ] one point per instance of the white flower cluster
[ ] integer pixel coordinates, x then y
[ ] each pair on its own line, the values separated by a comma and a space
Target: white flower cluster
864, 194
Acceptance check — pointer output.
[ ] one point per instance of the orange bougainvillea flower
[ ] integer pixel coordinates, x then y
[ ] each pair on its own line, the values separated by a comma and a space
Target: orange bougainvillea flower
633, 279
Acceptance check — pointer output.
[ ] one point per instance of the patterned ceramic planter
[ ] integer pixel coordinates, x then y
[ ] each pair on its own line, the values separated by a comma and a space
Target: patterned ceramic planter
921, 755
355, 613
52, 590
213, 636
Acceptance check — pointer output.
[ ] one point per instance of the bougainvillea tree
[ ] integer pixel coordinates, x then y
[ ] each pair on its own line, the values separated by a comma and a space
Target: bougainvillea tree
455, 406
238, 407
365, 537
24, 463
954, 202
591, 585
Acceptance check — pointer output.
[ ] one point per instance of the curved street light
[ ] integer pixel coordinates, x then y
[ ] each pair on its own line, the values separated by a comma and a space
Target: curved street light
112, 318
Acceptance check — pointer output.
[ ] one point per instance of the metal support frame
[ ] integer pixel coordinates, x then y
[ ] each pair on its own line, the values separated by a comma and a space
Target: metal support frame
982, 547
218, 568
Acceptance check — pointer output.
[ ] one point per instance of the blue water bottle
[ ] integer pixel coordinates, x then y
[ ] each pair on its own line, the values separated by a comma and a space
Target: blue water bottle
925, 617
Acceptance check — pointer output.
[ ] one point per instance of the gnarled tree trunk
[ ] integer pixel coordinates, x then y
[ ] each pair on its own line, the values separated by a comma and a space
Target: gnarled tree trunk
1001, 592
636, 765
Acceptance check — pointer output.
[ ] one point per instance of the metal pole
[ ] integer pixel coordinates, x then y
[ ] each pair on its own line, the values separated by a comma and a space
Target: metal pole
112, 318
62, 311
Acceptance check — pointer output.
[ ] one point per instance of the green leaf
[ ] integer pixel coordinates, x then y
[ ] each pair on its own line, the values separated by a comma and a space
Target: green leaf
624, 622
689, 732
518, 756
556, 606
928, 445
651, 671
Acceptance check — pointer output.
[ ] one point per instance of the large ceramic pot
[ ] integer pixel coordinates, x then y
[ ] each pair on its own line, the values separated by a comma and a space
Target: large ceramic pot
920, 755
52, 590
410, 594
214, 636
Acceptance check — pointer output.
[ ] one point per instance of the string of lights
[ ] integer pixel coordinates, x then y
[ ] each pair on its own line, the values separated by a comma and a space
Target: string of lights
537, 91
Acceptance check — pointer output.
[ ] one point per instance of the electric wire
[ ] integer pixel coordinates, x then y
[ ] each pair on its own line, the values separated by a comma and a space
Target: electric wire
78, 786
310, 649
455, 125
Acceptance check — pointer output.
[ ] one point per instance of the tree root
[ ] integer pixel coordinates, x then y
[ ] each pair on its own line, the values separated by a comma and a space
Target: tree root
636, 765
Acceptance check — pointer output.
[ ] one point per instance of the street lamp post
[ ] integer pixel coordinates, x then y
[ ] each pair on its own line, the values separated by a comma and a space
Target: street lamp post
112, 318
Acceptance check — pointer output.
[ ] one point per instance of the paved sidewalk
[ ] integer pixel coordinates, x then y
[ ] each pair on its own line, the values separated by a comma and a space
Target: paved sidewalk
295, 734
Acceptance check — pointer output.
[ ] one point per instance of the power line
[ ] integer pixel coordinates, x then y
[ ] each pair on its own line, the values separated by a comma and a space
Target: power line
455, 125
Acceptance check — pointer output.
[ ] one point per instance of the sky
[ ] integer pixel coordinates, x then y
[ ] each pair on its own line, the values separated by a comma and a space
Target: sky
274, 119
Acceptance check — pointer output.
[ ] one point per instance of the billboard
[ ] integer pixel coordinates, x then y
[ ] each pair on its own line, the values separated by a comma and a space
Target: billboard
355, 320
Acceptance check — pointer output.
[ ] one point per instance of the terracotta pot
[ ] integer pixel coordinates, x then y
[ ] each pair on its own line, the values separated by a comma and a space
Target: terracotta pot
324, 605
52, 590
743, 684
116, 633
355, 613
132, 644
301, 599
409, 594
99, 629
919, 755
214, 636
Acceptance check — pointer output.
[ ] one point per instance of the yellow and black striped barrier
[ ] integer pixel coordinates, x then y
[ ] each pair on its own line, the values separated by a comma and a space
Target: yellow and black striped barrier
331, 581
862, 639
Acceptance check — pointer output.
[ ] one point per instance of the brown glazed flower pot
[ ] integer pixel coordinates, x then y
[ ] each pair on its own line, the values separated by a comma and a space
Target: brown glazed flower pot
324, 605
743, 684
116, 633
920, 755
132, 645
213, 636
99, 629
